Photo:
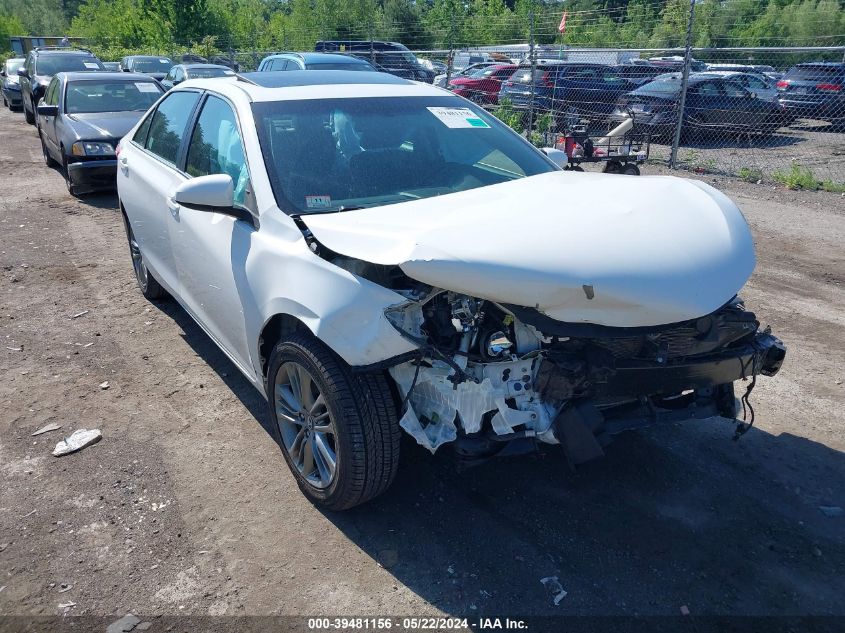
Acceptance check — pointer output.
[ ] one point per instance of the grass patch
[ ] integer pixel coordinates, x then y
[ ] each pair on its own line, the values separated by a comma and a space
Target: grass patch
750, 174
799, 177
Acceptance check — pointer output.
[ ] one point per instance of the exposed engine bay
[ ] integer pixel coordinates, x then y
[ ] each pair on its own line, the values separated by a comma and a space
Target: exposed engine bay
489, 373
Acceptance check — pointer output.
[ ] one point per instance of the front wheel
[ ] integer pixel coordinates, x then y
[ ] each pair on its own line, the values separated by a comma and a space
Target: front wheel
338, 430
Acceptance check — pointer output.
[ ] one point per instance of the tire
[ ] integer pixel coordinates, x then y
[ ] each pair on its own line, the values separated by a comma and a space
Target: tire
29, 116
631, 170
71, 188
48, 160
612, 167
357, 414
148, 284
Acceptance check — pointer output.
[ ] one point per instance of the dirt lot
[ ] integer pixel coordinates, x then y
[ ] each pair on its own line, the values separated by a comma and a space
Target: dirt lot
186, 505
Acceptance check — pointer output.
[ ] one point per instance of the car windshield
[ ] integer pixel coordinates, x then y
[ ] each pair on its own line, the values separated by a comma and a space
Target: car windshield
157, 65
110, 96
207, 73
339, 154
12, 66
340, 66
52, 64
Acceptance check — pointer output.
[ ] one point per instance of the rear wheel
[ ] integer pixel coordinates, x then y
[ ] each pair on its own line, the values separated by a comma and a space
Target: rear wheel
631, 170
148, 285
338, 429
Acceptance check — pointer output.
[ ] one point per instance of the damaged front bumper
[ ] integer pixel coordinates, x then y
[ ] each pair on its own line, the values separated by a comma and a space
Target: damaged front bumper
581, 394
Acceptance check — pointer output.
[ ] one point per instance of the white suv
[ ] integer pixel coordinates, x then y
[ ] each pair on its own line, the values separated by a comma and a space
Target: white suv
376, 254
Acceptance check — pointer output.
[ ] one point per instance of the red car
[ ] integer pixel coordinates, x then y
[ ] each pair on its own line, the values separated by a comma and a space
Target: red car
483, 85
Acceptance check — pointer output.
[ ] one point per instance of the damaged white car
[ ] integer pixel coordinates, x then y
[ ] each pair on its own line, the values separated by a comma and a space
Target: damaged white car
376, 254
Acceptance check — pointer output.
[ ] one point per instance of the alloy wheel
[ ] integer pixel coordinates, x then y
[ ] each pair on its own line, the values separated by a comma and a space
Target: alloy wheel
138, 264
305, 425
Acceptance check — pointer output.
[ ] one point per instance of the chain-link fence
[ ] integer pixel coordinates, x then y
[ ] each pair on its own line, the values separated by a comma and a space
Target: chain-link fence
760, 114
755, 113
676, 79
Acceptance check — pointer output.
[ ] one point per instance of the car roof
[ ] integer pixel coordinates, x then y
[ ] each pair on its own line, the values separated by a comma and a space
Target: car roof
312, 58
190, 66
146, 57
63, 51
106, 76
315, 84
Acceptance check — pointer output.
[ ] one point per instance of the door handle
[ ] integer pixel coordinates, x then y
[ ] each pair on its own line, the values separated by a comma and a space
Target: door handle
173, 207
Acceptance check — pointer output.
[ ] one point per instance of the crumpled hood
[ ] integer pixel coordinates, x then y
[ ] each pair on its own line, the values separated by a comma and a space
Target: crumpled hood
585, 248
105, 125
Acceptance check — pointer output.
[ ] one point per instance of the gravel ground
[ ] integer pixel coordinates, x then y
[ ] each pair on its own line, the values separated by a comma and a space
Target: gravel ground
186, 505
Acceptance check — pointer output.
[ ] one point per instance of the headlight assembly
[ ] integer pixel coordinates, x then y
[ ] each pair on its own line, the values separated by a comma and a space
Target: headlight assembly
86, 148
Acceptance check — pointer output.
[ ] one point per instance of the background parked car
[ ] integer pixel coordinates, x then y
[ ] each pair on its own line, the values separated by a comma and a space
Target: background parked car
183, 72
11, 82
153, 65
82, 118
815, 91
393, 57
483, 85
462, 59
314, 61
567, 89
752, 81
440, 80
638, 74
437, 67
112, 66
713, 103
41, 64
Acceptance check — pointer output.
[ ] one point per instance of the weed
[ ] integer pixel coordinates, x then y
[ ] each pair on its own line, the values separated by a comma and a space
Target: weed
750, 174
798, 177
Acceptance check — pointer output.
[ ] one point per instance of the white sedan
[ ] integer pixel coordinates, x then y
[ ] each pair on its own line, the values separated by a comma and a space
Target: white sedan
376, 254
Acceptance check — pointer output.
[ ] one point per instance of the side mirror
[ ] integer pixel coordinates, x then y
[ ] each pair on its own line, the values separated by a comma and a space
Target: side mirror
211, 193
214, 194
557, 156
22, 72
47, 110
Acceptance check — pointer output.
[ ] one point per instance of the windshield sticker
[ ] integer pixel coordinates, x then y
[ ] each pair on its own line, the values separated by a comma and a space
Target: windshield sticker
458, 117
146, 86
318, 202
91, 65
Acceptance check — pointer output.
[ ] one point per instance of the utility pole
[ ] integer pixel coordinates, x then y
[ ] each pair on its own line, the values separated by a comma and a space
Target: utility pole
533, 59
673, 156
451, 44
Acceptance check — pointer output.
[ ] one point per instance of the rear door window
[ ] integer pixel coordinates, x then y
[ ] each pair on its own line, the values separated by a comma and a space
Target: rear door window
168, 123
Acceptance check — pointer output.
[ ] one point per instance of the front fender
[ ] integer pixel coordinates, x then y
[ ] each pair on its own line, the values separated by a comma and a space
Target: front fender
343, 310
